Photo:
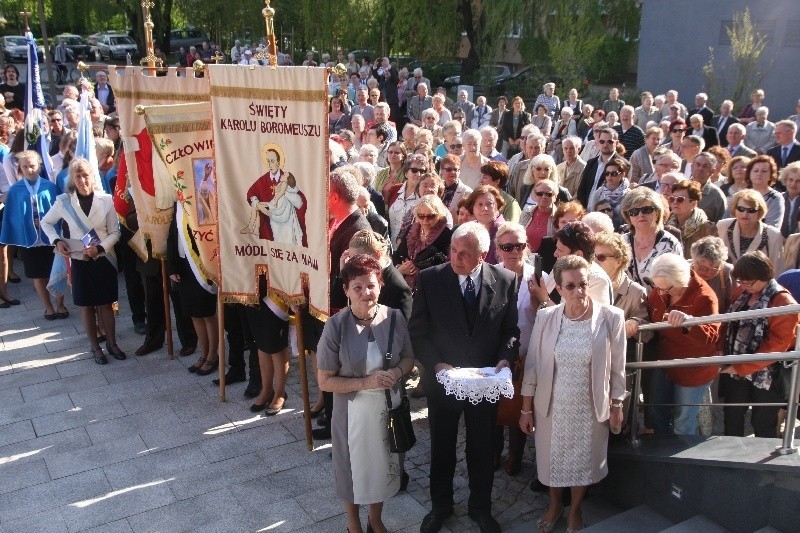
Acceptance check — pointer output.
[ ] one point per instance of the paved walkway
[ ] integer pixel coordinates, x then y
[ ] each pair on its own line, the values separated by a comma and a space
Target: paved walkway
143, 445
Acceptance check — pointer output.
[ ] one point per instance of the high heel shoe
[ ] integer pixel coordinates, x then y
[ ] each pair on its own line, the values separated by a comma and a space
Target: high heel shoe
197, 366
547, 527
258, 407
272, 411
207, 368
114, 350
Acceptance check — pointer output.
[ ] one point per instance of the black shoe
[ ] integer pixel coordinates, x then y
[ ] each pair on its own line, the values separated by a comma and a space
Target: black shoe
118, 354
253, 389
321, 434
485, 521
322, 421
140, 328
434, 520
538, 486
99, 356
231, 378
404, 481
12, 301
207, 368
258, 407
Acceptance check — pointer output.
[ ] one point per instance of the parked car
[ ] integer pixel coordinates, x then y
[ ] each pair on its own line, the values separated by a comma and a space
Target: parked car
487, 76
185, 38
526, 83
15, 49
436, 71
116, 46
77, 45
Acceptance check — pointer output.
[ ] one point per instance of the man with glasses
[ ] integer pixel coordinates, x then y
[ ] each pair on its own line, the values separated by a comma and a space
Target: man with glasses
592, 177
691, 146
104, 93
735, 138
787, 149
713, 201
534, 145
413, 83
363, 107
418, 104
454, 188
57, 130
489, 138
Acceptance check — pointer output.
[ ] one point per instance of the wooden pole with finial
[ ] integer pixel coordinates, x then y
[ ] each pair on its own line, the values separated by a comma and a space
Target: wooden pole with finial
150, 60
271, 54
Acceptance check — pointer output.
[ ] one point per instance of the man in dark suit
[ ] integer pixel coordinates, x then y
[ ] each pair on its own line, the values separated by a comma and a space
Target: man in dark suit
735, 136
346, 220
701, 109
592, 177
699, 128
724, 121
788, 149
464, 315
104, 93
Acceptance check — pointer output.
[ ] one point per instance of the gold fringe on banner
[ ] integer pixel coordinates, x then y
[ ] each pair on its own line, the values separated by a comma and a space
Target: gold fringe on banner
255, 93
161, 96
186, 127
246, 299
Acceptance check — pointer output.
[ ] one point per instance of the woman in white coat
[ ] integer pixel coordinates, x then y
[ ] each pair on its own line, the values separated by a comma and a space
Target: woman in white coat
93, 229
747, 231
572, 390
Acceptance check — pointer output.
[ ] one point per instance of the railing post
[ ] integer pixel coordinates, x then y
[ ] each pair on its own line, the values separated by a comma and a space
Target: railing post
637, 388
791, 407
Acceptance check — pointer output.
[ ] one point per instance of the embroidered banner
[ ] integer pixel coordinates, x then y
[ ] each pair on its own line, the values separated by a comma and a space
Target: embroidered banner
141, 171
182, 137
270, 146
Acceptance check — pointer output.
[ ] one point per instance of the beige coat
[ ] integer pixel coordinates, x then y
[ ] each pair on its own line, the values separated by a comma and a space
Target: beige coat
608, 359
791, 249
774, 242
571, 178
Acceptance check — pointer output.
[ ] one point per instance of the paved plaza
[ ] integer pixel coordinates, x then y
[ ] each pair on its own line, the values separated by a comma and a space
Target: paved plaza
143, 445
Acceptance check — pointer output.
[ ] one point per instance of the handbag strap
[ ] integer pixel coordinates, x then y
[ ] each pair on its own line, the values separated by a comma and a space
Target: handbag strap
388, 358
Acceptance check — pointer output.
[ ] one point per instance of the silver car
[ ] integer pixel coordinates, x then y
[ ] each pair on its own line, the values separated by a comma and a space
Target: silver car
116, 46
15, 49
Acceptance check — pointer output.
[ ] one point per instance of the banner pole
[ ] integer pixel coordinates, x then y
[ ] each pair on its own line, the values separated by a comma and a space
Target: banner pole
221, 348
167, 314
301, 360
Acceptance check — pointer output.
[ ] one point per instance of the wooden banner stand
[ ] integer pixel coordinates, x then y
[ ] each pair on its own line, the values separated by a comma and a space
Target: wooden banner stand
167, 314
303, 377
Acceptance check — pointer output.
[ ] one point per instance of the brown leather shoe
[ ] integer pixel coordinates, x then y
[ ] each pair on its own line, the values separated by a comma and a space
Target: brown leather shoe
145, 349
186, 351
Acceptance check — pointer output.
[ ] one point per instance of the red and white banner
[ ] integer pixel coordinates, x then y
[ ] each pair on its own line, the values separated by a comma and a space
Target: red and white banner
270, 148
141, 171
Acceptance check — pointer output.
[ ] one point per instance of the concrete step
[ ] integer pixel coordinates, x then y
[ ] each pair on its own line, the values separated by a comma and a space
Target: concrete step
695, 524
641, 519
595, 509
767, 529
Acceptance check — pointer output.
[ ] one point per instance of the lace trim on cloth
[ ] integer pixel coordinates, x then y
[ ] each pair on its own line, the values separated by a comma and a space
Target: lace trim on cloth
476, 384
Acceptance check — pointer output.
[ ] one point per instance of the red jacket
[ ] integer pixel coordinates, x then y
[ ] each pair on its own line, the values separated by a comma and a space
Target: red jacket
682, 343
780, 335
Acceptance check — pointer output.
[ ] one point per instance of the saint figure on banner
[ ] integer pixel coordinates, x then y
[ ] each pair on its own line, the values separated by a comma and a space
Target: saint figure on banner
277, 206
204, 183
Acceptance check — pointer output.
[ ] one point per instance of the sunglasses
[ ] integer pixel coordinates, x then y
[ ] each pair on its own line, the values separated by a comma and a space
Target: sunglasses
606, 210
426, 216
545, 193
614, 173
744, 282
603, 257
456, 146
646, 210
572, 286
449, 169
415, 170
677, 199
678, 130
518, 246
609, 141
743, 209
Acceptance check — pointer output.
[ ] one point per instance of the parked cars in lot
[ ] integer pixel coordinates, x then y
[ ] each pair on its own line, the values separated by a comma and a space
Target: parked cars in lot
15, 49
116, 46
486, 77
185, 38
436, 71
77, 45
526, 83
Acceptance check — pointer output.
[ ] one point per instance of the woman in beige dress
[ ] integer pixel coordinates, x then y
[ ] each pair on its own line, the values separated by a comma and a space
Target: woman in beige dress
574, 388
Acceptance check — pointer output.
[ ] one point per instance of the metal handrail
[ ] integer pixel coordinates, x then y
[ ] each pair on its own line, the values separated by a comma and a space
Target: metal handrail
791, 405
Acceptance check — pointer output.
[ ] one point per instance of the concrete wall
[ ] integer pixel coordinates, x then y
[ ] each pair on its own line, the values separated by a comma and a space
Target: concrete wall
676, 34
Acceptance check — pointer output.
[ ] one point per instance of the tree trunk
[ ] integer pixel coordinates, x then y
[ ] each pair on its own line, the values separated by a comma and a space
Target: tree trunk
469, 66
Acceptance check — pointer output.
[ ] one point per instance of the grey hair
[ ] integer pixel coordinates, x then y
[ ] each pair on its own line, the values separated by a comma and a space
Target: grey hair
627, 108
697, 116
76, 163
728, 103
704, 96
710, 248
473, 134
738, 127
567, 263
549, 85
673, 268
763, 109
565, 110
476, 231
791, 124
546, 159
368, 148
512, 227
368, 172
791, 168
345, 183
598, 222
711, 158
430, 112
697, 140
575, 140
491, 131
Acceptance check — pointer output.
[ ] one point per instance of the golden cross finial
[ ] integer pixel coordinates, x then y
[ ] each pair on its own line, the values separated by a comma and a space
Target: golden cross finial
147, 4
25, 15
218, 58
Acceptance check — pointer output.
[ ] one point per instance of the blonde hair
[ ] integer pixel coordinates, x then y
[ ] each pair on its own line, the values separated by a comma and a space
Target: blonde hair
104, 146
368, 241
432, 202
74, 165
29, 155
752, 196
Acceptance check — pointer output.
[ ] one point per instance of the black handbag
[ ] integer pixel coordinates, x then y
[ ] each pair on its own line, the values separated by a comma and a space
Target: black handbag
401, 432
430, 256
782, 379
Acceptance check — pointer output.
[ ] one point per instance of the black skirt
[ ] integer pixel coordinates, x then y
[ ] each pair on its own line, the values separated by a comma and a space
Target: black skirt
94, 282
38, 261
270, 333
195, 300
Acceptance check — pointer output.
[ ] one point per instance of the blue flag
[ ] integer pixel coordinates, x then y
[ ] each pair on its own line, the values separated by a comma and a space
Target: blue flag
35, 111
85, 146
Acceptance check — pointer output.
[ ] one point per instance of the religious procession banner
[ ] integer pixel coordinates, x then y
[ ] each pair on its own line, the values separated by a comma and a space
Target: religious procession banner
142, 174
182, 137
270, 149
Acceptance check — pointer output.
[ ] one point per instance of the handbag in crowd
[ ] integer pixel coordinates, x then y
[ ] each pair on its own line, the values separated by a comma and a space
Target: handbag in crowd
401, 432
429, 257
508, 409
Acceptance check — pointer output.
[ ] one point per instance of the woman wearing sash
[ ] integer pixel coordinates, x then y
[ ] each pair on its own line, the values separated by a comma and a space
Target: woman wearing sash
93, 229
28, 200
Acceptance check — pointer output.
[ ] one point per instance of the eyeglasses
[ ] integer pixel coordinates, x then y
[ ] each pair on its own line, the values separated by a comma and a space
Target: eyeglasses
646, 210
745, 282
394, 152
678, 130
572, 286
606, 210
608, 141
545, 193
518, 246
415, 170
614, 173
56, 120
677, 199
663, 291
450, 169
603, 257
426, 216
664, 185
743, 209
704, 269
542, 169
456, 146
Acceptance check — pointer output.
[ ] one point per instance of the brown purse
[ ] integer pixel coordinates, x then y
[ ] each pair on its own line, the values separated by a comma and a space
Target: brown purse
508, 409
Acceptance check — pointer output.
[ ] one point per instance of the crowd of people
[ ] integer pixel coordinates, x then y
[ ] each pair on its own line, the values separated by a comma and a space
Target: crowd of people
439, 211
